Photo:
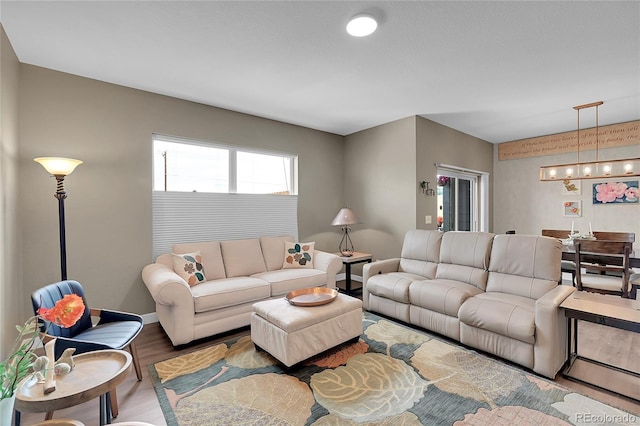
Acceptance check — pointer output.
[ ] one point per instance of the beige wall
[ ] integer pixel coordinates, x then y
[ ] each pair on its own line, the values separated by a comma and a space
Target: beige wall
108, 209
527, 205
380, 172
438, 144
10, 260
384, 166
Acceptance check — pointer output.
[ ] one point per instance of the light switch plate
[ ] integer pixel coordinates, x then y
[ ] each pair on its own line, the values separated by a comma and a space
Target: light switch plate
427, 220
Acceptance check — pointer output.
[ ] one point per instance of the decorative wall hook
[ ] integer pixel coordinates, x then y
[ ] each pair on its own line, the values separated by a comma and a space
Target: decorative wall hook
424, 185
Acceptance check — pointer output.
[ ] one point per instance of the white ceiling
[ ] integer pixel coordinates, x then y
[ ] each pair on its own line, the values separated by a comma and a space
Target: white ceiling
500, 71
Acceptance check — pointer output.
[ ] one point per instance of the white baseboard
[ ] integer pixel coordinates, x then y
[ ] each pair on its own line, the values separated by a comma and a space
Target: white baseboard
150, 318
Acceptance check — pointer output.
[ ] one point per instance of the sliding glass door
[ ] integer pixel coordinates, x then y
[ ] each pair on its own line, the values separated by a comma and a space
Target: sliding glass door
457, 201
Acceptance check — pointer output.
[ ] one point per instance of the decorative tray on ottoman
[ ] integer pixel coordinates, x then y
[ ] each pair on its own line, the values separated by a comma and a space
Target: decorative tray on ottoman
314, 296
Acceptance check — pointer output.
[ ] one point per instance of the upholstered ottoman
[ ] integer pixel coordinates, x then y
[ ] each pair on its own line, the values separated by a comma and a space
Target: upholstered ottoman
294, 333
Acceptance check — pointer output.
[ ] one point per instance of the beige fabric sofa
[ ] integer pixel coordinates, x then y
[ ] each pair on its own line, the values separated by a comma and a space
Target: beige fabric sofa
496, 293
239, 273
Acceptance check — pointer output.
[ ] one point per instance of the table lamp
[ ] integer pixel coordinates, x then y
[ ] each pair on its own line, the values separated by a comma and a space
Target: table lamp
344, 218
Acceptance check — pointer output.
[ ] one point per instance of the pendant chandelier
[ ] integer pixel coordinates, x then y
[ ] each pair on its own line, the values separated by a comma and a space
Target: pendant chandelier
591, 169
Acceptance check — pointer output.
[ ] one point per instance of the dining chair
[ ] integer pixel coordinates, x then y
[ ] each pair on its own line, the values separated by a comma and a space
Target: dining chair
113, 330
565, 265
587, 252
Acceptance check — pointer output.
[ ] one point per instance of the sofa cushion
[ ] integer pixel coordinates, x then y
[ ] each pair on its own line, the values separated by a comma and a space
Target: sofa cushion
525, 265
505, 314
421, 252
242, 258
298, 255
442, 296
272, 248
393, 285
211, 257
189, 267
285, 280
464, 256
229, 292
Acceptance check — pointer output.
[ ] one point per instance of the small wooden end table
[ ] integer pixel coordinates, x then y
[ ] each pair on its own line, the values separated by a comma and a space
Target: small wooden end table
95, 374
357, 257
611, 311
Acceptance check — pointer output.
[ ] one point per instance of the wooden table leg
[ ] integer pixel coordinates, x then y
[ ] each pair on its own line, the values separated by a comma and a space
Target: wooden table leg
113, 400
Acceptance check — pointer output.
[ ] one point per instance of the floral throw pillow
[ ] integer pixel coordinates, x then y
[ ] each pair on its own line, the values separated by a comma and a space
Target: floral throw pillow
298, 255
189, 267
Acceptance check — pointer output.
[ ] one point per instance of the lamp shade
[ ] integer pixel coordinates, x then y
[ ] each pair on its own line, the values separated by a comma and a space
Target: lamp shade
58, 166
345, 217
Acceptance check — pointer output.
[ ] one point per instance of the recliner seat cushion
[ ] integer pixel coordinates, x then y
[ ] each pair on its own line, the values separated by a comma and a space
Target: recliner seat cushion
421, 252
506, 314
229, 292
393, 285
442, 296
524, 265
464, 256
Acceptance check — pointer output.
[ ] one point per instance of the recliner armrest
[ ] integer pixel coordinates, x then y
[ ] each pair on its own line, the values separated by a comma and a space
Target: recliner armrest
550, 349
379, 267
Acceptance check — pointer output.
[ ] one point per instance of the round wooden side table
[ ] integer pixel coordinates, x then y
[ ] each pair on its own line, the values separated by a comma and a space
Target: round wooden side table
95, 374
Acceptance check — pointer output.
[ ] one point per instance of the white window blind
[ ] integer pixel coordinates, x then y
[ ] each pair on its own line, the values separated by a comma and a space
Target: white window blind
188, 217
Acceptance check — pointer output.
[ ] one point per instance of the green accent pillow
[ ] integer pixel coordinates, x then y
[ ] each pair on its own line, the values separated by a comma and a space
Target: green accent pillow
298, 255
189, 267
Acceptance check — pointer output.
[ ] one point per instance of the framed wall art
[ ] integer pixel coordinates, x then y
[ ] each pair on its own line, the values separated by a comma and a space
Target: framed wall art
570, 187
616, 192
572, 209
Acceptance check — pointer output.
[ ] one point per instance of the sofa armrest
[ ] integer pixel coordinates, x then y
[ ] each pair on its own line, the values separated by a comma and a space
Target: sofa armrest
383, 266
166, 287
550, 349
329, 263
174, 301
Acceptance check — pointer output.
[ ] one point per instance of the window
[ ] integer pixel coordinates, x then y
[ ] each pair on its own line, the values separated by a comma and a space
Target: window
188, 166
212, 192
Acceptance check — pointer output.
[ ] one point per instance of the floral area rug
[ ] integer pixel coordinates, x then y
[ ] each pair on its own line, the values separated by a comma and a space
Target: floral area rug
393, 375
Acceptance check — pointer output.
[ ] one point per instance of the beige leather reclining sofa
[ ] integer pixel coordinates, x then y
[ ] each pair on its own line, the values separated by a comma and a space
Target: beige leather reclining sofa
496, 293
238, 274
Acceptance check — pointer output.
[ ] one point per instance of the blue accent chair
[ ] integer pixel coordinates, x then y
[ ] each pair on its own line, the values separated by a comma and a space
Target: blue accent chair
114, 330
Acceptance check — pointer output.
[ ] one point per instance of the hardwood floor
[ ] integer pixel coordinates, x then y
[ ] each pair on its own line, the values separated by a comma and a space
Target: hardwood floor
137, 400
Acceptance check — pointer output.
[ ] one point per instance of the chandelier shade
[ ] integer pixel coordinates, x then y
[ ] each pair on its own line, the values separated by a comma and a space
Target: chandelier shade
591, 170
598, 169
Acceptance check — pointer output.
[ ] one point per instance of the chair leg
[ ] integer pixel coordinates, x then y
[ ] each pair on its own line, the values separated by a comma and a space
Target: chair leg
49, 415
136, 361
113, 399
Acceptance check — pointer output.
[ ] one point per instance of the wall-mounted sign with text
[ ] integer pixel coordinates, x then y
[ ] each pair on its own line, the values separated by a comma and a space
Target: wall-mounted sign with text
612, 136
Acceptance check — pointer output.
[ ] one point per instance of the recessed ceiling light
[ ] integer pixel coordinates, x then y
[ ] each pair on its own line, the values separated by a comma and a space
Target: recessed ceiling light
362, 25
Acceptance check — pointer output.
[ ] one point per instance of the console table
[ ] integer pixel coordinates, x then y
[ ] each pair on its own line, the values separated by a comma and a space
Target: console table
611, 311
